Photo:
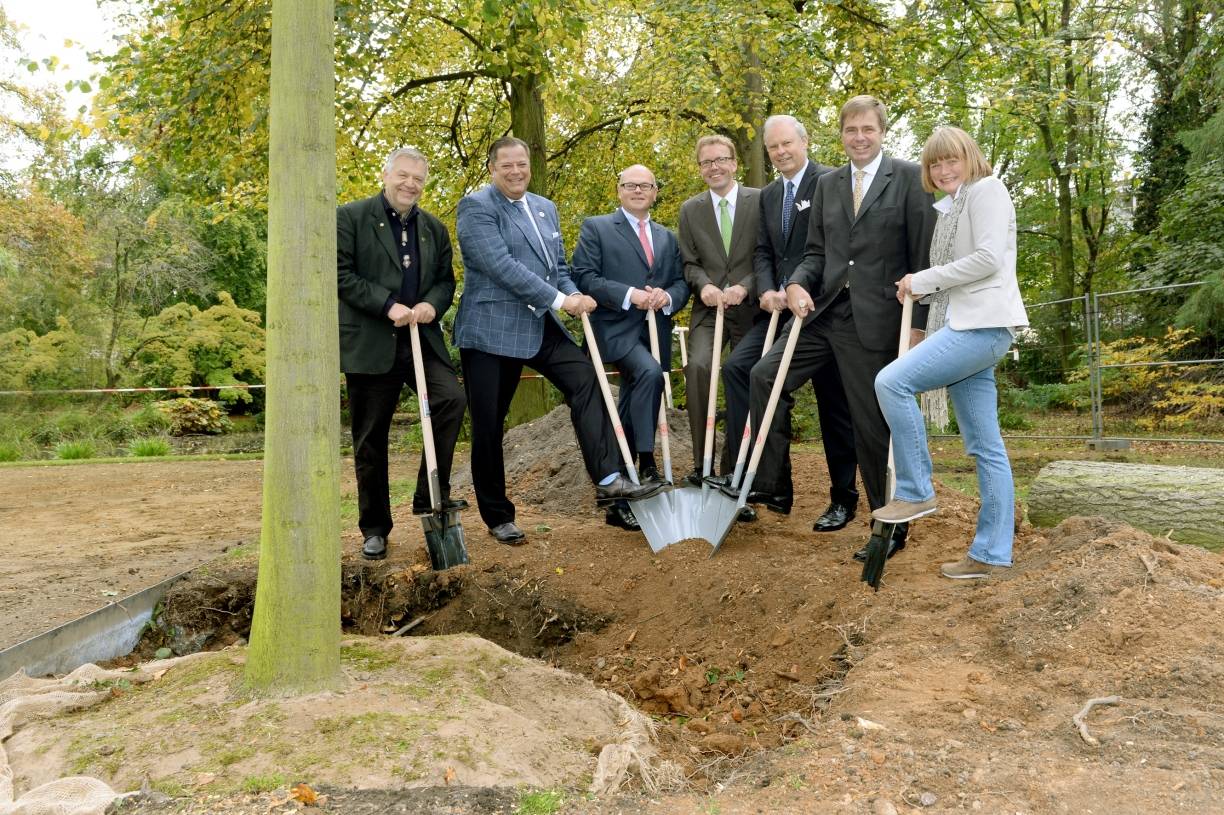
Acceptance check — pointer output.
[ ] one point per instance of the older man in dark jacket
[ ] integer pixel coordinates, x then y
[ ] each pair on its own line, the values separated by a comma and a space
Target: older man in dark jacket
393, 269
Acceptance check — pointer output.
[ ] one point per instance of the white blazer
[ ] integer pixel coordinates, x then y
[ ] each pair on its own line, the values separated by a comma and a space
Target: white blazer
981, 282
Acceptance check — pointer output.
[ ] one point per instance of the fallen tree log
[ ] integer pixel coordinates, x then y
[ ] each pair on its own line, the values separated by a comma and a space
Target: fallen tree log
1188, 501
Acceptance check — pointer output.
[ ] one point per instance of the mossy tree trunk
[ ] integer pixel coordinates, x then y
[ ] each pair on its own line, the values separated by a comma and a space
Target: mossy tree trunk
295, 634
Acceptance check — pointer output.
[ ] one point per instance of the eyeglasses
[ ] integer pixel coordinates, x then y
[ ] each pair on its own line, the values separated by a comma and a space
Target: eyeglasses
721, 161
629, 186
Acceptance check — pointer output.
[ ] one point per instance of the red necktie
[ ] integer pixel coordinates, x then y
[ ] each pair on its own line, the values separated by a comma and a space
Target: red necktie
645, 243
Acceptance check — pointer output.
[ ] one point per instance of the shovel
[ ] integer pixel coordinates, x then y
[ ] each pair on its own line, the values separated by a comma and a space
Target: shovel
716, 512
657, 514
617, 427
881, 532
443, 532
758, 449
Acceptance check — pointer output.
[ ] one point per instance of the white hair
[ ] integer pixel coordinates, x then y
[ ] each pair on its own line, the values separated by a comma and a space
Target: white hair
783, 118
410, 152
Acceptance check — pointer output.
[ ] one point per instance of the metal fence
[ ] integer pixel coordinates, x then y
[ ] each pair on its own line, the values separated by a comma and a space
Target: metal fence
1067, 342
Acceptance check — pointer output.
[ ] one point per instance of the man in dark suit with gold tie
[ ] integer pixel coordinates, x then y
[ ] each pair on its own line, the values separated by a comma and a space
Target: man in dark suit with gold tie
870, 225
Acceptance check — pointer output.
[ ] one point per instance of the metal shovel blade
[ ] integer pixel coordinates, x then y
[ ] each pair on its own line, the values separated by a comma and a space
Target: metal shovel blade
658, 521
877, 553
444, 539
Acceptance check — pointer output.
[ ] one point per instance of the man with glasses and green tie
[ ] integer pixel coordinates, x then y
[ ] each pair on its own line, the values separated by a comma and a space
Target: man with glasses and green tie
718, 234
631, 266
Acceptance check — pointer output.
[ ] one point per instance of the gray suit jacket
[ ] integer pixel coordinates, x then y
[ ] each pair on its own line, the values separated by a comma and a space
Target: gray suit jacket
890, 238
705, 260
608, 260
509, 279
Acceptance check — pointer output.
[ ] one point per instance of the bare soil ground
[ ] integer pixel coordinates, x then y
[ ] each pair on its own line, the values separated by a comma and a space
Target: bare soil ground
782, 683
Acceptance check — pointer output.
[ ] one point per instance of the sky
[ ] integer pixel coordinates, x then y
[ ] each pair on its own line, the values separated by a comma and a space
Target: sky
47, 24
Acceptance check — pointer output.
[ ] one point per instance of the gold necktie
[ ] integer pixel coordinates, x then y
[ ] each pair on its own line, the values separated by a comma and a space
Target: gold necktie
858, 190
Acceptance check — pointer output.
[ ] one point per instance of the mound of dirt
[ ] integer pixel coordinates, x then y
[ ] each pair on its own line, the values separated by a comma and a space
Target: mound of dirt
544, 469
416, 713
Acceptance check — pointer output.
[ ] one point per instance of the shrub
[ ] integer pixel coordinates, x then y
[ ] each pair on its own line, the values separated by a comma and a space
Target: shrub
81, 448
149, 420
150, 446
73, 423
191, 415
9, 451
221, 345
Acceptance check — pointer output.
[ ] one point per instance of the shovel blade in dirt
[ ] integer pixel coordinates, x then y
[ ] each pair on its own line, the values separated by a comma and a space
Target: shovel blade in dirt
656, 515
877, 553
443, 532
444, 537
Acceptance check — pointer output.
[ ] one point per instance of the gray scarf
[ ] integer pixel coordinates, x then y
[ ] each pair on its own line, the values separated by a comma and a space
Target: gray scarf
935, 403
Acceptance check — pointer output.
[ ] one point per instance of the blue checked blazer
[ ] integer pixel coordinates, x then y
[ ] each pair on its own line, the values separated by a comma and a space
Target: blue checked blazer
508, 283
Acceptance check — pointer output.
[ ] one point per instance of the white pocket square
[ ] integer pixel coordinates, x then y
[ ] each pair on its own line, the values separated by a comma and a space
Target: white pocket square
802, 205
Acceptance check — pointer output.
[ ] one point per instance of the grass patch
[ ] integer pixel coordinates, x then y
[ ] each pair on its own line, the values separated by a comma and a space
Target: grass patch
131, 460
74, 450
367, 657
539, 802
9, 452
263, 783
401, 490
234, 755
150, 446
168, 786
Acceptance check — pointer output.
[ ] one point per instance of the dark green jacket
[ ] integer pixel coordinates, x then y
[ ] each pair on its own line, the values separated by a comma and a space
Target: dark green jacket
368, 272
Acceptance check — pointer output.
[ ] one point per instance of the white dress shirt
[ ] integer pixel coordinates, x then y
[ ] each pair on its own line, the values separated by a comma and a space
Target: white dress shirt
871, 169
730, 196
633, 222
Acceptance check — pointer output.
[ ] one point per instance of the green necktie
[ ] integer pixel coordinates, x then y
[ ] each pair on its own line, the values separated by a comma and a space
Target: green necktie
724, 223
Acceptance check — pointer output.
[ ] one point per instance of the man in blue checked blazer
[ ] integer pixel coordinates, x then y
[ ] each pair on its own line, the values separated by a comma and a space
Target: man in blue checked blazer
632, 267
515, 278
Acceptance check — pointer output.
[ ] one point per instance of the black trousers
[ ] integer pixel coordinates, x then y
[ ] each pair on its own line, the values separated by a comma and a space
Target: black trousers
774, 472
831, 339
491, 380
372, 402
641, 394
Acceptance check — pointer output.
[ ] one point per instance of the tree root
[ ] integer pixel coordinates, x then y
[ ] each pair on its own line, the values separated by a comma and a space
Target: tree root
1078, 718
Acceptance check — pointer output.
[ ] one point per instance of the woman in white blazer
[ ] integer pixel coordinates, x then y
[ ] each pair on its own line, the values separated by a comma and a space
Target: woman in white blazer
973, 265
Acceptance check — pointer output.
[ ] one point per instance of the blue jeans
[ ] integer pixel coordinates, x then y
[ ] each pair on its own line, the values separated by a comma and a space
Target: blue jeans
964, 362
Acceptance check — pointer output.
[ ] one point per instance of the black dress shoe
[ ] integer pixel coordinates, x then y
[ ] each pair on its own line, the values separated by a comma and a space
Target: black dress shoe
746, 515
652, 475
375, 547
693, 479
774, 503
622, 517
508, 534
834, 518
900, 533
449, 505
718, 482
622, 489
